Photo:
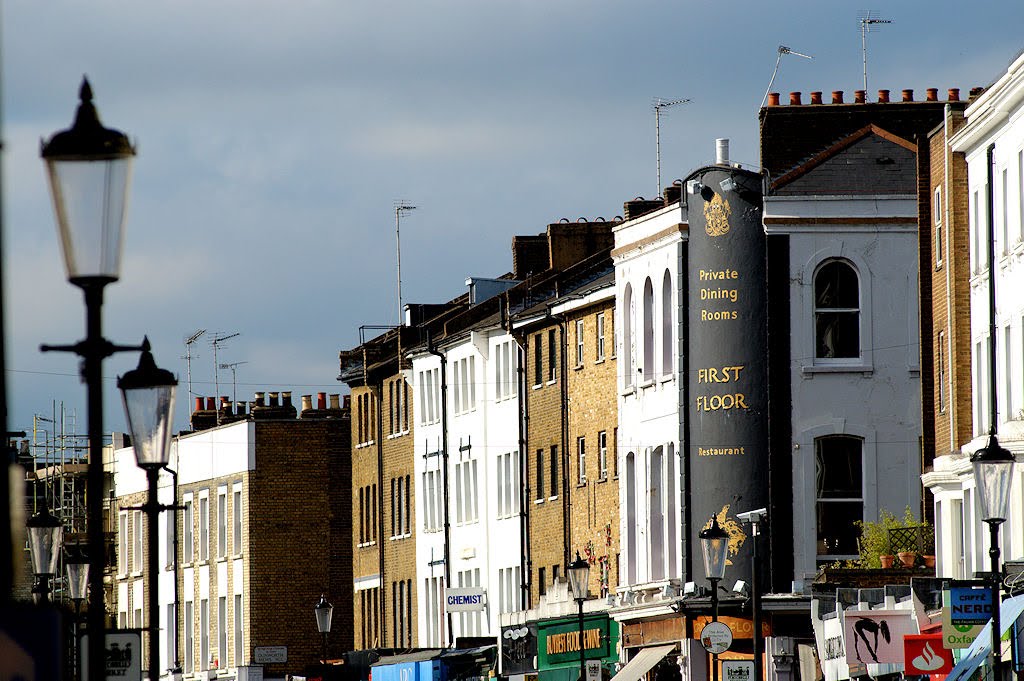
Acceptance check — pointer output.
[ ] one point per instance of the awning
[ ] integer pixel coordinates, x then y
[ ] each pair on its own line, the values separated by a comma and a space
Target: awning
642, 663
1009, 611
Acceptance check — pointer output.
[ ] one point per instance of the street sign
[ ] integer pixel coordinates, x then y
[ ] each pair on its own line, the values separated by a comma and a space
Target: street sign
123, 651
593, 670
716, 637
969, 605
270, 654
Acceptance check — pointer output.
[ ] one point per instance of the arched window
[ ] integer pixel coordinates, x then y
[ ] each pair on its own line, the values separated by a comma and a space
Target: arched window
631, 521
627, 336
648, 366
667, 363
839, 495
656, 516
836, 311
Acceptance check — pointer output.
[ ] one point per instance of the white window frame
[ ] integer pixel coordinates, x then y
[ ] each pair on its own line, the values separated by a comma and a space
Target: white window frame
602, 455
599, 324
579, 343
137, 541
188, 530
204, 526
581, 460
237, 517
937, 219
222, 522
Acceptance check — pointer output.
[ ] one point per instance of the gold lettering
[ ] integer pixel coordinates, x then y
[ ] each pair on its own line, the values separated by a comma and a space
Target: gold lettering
716, 375
706, 275
718, 316
722, 402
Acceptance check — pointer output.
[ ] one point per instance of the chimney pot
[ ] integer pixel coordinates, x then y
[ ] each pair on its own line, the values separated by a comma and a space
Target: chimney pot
258, 400
860, 96
816, 98
211, 403
932, 94
908, 95
272, 402
321, 400
975, 92
286, 398
794, 97
348, 401
883, 96
199, 404
240, 408
837, 96
224, 401
773, 99
954, 94
307, 402
334, 402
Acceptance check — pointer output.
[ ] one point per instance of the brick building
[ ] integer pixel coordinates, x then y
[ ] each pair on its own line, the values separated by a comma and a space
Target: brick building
263, 531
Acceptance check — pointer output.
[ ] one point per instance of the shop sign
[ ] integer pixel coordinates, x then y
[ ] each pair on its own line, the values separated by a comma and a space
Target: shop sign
876, 636
968, 605
466, 599
560, 643
924, 654
741, 628
738, 670
716, 637
518, 649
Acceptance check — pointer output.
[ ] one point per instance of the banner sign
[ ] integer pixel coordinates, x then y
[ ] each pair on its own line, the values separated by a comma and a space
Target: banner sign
924, 654
876, 636
969, 605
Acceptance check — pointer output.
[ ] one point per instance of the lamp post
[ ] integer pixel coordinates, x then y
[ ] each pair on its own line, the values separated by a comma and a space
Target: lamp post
323, 611
89, 167
714, 543
579, 580
148, 393
755, 518
45, 535
993, 475
76, 565
993, 464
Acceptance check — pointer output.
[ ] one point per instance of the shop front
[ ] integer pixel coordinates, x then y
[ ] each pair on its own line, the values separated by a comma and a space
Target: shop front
558, 646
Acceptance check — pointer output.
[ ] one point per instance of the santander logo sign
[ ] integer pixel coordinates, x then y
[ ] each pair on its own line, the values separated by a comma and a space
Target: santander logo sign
924, 654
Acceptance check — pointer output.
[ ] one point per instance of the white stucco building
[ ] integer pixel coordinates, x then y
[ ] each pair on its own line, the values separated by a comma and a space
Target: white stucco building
992, 142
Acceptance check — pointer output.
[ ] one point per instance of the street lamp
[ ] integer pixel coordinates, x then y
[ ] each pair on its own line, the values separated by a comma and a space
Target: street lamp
323, 611
755, 518
993, 475
45, 535
579, 580
148, 393
76, 564
89, 168
714, 543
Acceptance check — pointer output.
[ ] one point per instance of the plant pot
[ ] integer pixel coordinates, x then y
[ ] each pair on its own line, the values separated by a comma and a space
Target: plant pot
886, 560
929, 560
907, 558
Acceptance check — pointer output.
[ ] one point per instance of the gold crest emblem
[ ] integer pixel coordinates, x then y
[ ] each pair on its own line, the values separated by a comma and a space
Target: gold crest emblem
737, 537
716, 216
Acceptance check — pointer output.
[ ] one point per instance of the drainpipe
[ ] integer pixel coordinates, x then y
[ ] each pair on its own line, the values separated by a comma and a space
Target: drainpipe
176, 668
564, 409
444, 466
375, 392
526, 492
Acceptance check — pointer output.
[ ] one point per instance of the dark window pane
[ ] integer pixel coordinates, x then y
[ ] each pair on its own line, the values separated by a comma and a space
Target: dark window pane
837, 533
837, 334
835, 285
838, 468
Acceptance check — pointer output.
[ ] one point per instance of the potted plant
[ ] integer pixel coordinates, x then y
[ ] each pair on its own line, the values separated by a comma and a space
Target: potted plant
928, 556
875, 548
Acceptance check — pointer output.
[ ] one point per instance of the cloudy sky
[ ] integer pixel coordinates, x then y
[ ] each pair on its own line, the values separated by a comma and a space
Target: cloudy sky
275, 137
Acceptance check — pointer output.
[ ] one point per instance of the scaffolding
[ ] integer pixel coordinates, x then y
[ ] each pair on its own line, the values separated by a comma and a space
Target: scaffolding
56, 462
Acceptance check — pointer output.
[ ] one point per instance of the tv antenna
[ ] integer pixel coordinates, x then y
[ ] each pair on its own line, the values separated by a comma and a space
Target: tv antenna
401, 208
188, 359
782, 50
234, 385
659, 104
866, 22
218, 339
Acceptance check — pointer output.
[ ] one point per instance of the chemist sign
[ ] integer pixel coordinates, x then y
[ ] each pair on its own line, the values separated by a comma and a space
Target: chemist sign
466, 599
969, 605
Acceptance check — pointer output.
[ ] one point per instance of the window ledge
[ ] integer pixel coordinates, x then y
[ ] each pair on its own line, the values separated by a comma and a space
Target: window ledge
581, 484
647, 384
552, 381
866, 369
539, 501
537, 386
667, 377
599, 361
553, 498
578, 367
629, 390
603, 478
